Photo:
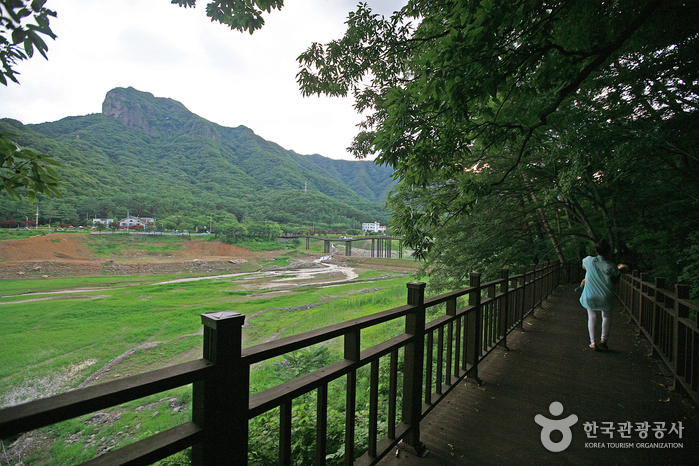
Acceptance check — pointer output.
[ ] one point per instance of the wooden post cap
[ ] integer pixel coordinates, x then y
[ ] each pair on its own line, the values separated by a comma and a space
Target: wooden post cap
212, 318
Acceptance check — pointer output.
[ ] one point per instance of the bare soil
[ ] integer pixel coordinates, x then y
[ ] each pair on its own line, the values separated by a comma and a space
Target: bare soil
68, 255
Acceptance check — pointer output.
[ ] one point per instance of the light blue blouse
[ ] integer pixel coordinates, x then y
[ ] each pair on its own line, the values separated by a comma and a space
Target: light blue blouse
598, 293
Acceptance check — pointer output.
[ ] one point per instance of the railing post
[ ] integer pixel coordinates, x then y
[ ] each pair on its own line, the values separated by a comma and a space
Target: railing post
523, 295
414, 368
474, 327
655, 324
351, 353
532, 286
505, 290
679, 345
220, 403
635, 297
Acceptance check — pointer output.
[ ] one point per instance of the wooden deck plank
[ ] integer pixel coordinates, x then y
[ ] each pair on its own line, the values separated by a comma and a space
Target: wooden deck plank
550, 361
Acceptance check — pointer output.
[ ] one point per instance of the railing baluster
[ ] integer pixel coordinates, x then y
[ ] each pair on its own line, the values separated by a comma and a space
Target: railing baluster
457, 347
352, 350
450, 342
694, 369
522, 304
475, 326
350, 417
285, 415
322, 425
392, 393
440, 360
505, 290
491, 317
373, 407
532, 289
453, 343
429, 354
679, 348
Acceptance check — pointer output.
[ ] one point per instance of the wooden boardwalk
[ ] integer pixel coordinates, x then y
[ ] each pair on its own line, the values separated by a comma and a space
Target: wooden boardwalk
493, 424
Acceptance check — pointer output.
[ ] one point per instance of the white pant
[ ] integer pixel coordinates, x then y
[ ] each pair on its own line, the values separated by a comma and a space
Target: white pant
592, 322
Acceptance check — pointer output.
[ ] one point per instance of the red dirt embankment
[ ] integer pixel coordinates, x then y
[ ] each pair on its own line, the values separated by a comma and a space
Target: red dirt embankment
68, 255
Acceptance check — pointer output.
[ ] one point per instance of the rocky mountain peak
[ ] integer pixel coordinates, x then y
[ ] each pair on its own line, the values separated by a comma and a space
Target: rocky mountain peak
126, 106
155, 116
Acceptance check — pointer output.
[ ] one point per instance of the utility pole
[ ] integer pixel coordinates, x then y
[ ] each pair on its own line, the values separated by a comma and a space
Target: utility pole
37, 218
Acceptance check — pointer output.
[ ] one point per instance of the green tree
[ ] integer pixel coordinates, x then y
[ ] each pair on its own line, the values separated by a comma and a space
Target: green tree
18, 37
243, 15
541, 126
24, 168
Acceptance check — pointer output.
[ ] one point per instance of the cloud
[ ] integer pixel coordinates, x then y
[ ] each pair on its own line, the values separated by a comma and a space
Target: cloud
146, 48
222, 56
225, 76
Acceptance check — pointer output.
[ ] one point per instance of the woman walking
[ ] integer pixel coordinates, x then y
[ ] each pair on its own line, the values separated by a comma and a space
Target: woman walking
598, 292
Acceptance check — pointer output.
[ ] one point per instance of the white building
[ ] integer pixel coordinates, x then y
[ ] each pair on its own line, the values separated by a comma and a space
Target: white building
131, 222
103, 221
373, 228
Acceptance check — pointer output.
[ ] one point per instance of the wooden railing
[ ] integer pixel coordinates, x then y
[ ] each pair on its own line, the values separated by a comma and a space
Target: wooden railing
669, 321
425, 360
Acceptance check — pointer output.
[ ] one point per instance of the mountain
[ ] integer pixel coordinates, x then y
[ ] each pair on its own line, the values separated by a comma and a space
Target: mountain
156, 158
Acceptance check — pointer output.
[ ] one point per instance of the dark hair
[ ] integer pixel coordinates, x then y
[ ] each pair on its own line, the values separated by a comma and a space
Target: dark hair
603, 248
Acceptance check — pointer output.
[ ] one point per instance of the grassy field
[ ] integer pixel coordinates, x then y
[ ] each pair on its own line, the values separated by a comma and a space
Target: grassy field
11, 233
116, 244
51, 345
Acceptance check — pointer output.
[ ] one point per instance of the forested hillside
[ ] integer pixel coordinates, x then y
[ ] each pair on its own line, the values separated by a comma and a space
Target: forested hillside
155, 158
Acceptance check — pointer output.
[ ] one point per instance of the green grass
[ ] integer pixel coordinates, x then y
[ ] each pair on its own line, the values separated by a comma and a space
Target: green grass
115, 244
52, 346
279, 261
7, 234
39, 285
42, 337
260, 246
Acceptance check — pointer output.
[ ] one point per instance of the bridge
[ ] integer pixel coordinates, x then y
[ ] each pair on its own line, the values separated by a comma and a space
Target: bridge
381, 246
482, 375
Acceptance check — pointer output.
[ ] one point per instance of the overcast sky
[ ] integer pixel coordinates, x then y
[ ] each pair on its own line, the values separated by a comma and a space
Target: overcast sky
225, 76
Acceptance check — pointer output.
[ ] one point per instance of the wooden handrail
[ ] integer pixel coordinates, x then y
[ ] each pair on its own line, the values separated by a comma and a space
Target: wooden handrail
291, 343
57, 408
663, 317
153, 448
